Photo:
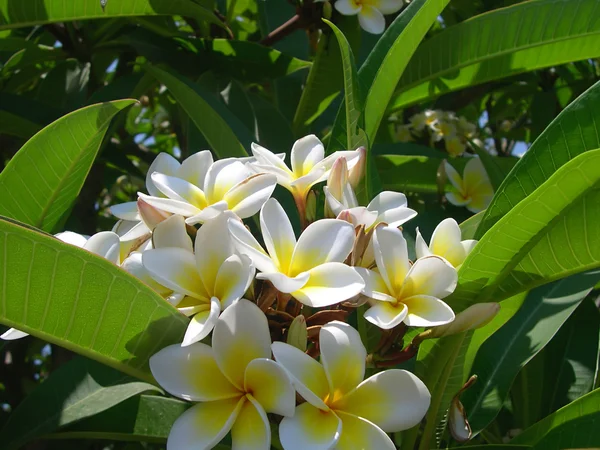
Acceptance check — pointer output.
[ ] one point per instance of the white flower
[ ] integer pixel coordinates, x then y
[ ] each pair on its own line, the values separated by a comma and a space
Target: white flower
445, 242
201, 189
387, 207
309, 165
474, 190
105, 244
370, 12
208, 281
404, 293
455, 145
312, 268
235, 381
342, 411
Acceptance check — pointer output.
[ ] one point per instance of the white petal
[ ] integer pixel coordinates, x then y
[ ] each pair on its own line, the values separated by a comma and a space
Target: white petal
303, 184
307, 375
375, 286
421, 247
430, 275
427, 311
397, 216
469, 245
278, 234
241, 335
445, 236
310, 428
389, 6
125, 211
457, 199
202, 323
194, 168
343, 356
208, 213
371, 20
163, 163
69, 237
13, 334
388, 200
171, 232
360, 434
222, 176
174, 268
347, 7
173, 206
391, 254
267, 158
246, 198
386, 315
178, 189
247, 245
474, 175
271, 386
307, 152
251, 430
131, 231
323, 241
133, 265
191, 373
394, 400
453, 176
334, 204
284, 177
233, 279
283, 283
328, 284
359, 216
105, 244
204, 425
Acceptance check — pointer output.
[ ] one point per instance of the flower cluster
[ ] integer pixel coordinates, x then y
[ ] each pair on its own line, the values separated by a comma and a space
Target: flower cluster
242, 291
432, 126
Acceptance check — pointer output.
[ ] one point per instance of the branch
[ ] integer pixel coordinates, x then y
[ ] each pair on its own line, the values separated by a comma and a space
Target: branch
293, 24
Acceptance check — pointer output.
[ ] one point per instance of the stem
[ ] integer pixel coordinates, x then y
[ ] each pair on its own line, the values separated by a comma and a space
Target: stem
300, 201
293, 24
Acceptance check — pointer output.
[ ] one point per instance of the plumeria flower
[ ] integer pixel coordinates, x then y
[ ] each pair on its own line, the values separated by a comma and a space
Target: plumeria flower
309, 165
425, 119
201, 189
455, 145
342, 411
403, 133
104, 244
404, 293
445, 242
235, 382
474, 190
311, 268
208, 281
370, 12
387, 207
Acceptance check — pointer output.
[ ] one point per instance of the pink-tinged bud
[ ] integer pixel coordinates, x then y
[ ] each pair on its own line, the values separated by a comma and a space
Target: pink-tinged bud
338, 177
346, 216
357, 172
297, 333
475, 316
150, 215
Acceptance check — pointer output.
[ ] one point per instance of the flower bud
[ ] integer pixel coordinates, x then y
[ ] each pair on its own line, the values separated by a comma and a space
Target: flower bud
297, 333
150, 215
327, 10
338, 177
311, 207
357, 172
475, 316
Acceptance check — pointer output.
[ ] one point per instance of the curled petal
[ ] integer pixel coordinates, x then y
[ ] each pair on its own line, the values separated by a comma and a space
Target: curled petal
191, 373
360, 434
194, 168
271, 386
386, 315
13, 334
125, 211
391, 254
204, 425
129, 231
427, 311
233, 279
178, 189
306, 153
431, 275
310, 428
246, 198
375, 286
241, 335
208, 213
328, 284
307, 375
393, 400
163, 163
343, 356
247, 245
171, 232
202, 323
183, 208
278, 234
283, 283
174, 268
251, 430
421, 247
222, 176
105, 244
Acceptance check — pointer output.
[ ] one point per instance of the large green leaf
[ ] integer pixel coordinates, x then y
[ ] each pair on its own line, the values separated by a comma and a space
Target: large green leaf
502, 356
549, 235
15, 13
573, 132
42, 180
224, 132
77, 390
80, 301
146, 418
501, 43
574, 426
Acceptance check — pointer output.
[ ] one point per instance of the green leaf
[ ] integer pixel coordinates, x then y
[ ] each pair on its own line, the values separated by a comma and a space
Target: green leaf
574, 426
18, 126
469, 226
145, 418
499, 44
77, 390
80, 301
63, 152
572, 133
493, 447
502, 356
224, 132
549, 235
14, 14
32, 55
383, 68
